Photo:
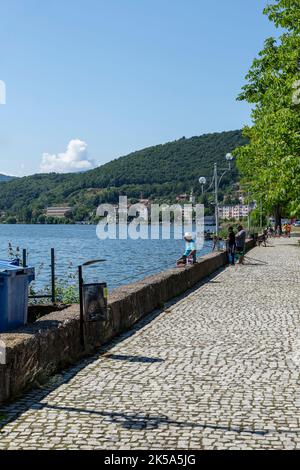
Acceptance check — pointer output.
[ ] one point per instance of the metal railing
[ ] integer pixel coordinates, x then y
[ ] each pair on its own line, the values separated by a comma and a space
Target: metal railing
52, 266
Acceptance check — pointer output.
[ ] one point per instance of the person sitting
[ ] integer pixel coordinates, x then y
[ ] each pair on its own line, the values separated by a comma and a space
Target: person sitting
262, 239
190, 254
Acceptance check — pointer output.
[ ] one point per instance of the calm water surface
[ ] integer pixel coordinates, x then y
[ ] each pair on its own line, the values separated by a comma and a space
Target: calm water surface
127, 260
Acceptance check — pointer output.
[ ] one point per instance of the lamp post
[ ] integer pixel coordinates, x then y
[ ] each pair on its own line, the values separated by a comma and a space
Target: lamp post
249, 210
216, 182
202, 181
247, 191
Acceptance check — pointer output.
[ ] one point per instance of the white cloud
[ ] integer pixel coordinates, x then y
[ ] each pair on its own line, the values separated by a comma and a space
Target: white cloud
75, 158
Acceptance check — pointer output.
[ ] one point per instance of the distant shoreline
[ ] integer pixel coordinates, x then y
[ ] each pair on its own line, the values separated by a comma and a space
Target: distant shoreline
82, 224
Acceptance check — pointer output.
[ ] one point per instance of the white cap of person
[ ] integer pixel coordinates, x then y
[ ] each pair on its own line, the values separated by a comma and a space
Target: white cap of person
188, 236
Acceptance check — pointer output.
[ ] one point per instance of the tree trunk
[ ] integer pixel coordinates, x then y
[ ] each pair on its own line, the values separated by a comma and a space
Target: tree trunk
278, 218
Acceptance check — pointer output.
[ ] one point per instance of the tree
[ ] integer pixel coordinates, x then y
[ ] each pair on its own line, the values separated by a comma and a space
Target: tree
11, 220
41, 219
270, 163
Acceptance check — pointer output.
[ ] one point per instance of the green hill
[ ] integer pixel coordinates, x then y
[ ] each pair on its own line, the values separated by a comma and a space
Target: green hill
159, 173
4, 178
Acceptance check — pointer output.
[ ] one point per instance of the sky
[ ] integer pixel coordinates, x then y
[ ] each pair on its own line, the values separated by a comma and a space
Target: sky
88, 81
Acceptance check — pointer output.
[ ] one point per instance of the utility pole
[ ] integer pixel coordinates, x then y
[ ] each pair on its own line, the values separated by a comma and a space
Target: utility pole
216, 203
261, 215
249, 225
216, 181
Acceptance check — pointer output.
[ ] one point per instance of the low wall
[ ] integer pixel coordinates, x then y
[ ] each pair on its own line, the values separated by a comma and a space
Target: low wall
52, 343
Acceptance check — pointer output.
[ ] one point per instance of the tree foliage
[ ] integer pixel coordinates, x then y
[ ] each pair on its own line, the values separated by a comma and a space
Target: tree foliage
270, 163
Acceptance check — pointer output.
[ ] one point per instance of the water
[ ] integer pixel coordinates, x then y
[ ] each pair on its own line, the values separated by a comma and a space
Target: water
127, 260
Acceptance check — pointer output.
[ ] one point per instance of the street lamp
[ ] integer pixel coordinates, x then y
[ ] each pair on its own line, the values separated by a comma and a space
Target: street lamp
247, 190
216, 180
229, 157
202, 181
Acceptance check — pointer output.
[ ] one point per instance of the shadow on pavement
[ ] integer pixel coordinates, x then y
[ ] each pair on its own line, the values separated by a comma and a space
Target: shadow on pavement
257, 262
138, 421
121, 357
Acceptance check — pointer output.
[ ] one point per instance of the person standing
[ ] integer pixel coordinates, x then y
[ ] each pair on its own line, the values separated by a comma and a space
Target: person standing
278, 231
231, 244
240, 240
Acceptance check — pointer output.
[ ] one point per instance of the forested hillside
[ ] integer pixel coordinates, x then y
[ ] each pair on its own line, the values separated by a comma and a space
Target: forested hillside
4, 178
159, 173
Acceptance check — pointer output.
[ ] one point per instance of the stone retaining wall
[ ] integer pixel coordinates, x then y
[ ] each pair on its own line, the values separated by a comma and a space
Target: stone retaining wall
52, 343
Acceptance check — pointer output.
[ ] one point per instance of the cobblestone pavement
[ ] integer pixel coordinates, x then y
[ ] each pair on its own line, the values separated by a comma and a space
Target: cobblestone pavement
218, 369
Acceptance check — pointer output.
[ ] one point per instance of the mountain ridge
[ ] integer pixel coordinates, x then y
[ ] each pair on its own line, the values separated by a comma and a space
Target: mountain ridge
4, 178
158, 173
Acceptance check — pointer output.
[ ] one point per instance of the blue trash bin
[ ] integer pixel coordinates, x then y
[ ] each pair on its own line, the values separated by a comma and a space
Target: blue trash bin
14, 285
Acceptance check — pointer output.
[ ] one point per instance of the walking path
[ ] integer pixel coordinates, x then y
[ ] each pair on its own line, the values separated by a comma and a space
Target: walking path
218, 369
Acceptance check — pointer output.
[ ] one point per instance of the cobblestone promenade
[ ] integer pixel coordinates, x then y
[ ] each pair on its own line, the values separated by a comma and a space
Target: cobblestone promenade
218, 369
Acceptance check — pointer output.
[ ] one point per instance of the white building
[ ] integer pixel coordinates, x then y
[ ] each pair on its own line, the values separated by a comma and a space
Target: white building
234, 212
58, 211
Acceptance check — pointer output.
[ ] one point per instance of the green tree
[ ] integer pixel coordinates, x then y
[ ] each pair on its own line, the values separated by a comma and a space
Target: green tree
270, 163
41, 219
11, 220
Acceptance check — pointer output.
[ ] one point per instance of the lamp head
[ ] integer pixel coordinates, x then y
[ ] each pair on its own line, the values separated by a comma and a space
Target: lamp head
229, 157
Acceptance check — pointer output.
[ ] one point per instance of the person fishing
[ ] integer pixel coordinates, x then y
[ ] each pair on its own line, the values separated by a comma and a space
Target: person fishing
190, 254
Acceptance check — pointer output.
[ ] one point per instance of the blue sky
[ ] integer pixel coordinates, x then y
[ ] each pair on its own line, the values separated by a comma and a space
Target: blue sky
90, 80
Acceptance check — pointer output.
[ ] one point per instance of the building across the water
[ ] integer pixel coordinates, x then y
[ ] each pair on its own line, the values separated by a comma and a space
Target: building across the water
58, 211
237, 211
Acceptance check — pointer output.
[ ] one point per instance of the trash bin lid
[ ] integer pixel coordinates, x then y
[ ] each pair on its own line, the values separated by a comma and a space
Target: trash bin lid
6, 268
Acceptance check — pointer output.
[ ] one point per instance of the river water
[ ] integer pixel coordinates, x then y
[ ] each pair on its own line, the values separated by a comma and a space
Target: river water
127, 260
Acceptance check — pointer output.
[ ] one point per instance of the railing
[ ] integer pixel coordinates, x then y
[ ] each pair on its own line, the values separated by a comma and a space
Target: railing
52, 266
